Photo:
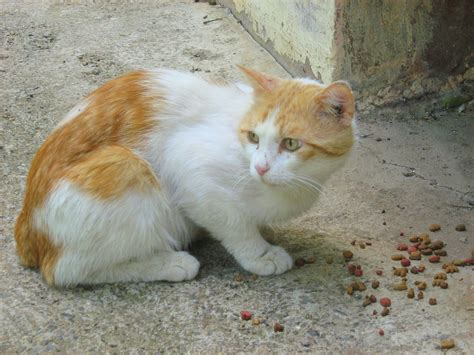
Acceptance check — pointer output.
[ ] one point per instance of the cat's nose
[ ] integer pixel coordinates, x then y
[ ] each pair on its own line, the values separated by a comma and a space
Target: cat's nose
262, 169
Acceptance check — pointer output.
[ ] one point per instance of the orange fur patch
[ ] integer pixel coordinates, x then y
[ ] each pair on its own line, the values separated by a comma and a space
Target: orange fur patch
118, 114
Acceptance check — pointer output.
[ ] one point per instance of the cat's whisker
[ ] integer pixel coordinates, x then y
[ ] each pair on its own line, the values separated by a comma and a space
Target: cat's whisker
312, 182
299, 181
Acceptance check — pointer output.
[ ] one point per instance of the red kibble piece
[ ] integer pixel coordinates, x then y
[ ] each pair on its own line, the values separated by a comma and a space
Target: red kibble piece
402, 246
385, 302
299, 262
351, 268
411, 249
379, 272
381, 332
358, 272
246, 315
277, 327
405, 262
434, 259
414, 270
402, 234
469, 261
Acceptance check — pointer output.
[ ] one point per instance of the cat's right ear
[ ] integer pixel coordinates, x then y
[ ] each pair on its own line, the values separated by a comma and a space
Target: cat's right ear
262, 83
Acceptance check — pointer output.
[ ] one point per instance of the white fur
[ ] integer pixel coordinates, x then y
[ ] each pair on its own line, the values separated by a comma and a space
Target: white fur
207, 179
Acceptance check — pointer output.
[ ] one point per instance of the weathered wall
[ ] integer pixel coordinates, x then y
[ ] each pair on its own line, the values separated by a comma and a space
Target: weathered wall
373, 44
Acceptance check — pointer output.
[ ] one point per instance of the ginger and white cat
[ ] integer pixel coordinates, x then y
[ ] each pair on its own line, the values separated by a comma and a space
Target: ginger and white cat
120, 187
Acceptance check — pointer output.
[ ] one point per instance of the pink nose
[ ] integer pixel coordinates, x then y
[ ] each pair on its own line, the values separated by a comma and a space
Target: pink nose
261, 170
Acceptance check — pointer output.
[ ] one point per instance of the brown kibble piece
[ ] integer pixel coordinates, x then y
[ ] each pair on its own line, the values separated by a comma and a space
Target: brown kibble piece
434, 227
441, 252
414, 239
421, 268
434, 259
416, 255
362, 245
433, 301
458, 262
440, 283
411, 293
420, 295
397, 257
401, 271
372, 298
385, 312
450, 268
402, 286
427, 251
366, 302
361, 286
347, 254
425, 238
441, 276
380, 272
310, 260
299, 262
421, 285
461, 228
256, 321
239, 277
350, 289
437, 244
375, 284
277, 327
447, 344
414, 270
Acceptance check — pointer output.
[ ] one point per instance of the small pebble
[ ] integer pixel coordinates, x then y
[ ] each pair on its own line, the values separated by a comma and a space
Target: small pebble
385, 312
385, 302
375, 284
277, 327
461, 228
447, 344
405, 262
433, 302
434, 227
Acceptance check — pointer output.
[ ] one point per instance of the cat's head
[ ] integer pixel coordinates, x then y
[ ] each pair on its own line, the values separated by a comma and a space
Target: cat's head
296, 129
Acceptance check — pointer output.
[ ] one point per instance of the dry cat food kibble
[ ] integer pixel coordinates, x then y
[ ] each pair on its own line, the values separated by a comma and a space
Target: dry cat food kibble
397, 257
441, 252
366, 302
246, 315
402, 247
427, 251
375, 284
379, 272
421, 268
434, 259
416, 255
358, 272
461, 228
299, 262
450, 268
447, 344
373, 299
433, 302
437, 244
412, 249
434, 227
385, 312
414, 270
381, 332
420, 295
310, 260
385, 302
351, 268
405, 262
347, 254
277, 327
414, 238
256, 321
402, 286
400, 271
411, 293
440, 283
441, 276
421, 285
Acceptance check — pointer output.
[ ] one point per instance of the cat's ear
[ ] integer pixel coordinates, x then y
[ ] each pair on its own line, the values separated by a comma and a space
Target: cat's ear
261, 82
339, 101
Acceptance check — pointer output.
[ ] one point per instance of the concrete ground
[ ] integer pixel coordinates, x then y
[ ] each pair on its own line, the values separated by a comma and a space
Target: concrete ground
412, 167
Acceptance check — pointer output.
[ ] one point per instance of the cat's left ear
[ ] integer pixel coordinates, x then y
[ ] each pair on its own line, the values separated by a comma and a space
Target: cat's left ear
339, 101
261, 82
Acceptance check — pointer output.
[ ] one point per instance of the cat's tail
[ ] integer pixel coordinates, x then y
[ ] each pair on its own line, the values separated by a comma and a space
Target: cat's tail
25, 247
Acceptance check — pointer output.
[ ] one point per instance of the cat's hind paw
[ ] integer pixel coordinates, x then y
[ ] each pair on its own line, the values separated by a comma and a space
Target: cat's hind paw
274, 261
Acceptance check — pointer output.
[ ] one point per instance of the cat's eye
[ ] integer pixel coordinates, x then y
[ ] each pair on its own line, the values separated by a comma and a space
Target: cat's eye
253, 137
291, 144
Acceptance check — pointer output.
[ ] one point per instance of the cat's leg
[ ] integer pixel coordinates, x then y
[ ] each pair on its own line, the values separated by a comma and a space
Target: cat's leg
253, 252
111, 222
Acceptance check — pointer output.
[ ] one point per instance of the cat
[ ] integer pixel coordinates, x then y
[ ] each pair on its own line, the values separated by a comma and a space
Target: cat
120, 187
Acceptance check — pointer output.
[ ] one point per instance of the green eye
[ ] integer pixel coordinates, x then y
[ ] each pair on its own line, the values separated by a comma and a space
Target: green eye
253, 137
291, 144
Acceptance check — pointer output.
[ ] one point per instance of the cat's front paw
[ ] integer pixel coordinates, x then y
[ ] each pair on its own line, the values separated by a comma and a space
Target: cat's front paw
274, 261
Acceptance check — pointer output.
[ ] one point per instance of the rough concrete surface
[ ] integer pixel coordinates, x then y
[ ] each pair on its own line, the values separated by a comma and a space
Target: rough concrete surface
418, 170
